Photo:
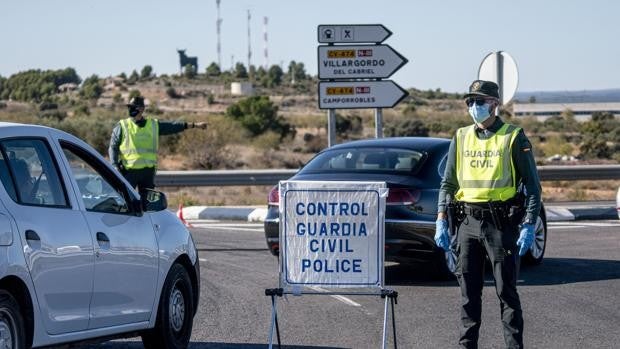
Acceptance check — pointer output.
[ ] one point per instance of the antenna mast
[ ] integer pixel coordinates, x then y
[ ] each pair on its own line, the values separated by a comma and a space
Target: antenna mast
249, 42
265, 21
218, 25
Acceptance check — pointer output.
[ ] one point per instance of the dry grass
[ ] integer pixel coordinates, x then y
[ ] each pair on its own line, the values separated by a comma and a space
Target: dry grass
218, 196
557, 191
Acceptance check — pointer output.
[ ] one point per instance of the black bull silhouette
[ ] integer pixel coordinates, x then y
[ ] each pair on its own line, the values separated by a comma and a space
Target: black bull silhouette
185, 60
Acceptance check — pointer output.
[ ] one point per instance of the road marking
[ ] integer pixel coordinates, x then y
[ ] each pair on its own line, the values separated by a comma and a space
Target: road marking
574, 225
202, 259
343, 299
239, 227
219, 224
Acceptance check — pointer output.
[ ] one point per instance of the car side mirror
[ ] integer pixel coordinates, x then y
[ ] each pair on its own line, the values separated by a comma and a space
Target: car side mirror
154, 201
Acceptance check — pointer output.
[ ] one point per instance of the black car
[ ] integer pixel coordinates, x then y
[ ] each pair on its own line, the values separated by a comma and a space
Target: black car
412, 167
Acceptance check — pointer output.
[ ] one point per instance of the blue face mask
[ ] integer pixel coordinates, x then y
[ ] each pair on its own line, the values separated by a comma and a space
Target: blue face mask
480, 113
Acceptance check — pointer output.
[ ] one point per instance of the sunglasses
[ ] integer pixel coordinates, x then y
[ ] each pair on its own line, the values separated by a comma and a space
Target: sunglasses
478, 101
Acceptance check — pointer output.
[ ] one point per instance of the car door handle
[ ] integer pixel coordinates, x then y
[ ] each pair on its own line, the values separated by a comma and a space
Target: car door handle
32, 235
101, 237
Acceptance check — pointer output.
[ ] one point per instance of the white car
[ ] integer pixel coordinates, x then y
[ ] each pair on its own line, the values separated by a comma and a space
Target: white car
81, 256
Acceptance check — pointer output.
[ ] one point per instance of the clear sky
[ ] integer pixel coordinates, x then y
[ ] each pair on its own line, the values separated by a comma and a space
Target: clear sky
558, 45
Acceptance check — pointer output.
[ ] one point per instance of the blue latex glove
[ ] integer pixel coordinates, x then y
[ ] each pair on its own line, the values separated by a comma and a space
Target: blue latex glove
526, 238
442, 237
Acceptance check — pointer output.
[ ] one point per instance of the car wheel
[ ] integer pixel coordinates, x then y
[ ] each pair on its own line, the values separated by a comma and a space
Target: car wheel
536, 252
173, 327
12, 332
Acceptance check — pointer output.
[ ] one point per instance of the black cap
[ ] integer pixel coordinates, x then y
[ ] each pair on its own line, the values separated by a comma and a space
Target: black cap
137, 101
483, 88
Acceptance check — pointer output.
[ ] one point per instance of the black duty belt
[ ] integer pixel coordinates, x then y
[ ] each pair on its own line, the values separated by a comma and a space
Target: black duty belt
479, 210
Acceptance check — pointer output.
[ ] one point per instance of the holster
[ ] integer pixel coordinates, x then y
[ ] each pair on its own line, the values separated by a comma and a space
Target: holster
516, 210
456, 214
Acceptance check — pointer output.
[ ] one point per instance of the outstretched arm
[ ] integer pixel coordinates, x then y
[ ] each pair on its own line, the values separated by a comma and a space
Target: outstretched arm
115, 143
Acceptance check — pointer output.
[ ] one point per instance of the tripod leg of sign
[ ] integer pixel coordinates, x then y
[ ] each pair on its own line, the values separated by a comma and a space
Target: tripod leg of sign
390, 296
273, 292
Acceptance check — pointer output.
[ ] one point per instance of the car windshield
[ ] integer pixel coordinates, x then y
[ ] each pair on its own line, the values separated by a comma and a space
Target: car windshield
365, 159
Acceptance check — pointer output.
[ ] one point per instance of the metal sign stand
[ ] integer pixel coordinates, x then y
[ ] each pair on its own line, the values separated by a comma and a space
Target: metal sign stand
390, 296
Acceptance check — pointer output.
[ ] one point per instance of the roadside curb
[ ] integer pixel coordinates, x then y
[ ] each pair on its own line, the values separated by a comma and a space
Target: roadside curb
580, 213
257, 214
231, 213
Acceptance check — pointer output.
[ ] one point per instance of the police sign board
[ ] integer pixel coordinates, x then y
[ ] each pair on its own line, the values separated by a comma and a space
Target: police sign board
352, 33
358, 62
332, 234
359, 94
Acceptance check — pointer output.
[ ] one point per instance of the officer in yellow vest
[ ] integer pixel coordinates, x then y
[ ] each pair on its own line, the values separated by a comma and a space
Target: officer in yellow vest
135, 142
488, 162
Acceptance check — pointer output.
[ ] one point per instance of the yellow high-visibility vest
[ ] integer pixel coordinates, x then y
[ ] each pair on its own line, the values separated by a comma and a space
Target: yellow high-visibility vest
484, 167
139, 146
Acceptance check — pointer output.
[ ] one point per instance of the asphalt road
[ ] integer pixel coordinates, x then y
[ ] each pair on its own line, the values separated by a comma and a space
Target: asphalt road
570, 301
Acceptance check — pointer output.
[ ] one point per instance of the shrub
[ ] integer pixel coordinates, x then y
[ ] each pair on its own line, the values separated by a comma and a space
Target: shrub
172, 93
407, 128
91, 88
146, 73
208, 149
47, 105
37, 85
258, 114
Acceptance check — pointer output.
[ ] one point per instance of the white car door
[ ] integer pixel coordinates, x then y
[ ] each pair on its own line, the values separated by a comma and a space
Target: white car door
56, 239
126, 249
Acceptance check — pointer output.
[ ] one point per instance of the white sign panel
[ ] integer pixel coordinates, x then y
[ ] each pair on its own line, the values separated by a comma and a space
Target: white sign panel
500, 68
359, 94
332, 234
358, 62
352, 33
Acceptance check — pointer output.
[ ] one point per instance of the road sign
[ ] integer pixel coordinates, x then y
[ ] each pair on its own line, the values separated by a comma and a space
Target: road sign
359, 94
352, 33
358, 62
332, 234
501, 68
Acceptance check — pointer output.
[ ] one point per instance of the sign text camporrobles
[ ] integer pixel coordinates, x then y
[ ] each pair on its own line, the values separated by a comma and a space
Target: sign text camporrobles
332, 233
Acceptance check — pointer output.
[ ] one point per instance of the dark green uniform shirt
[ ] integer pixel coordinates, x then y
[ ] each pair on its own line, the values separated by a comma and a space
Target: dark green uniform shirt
525, 171
165, 128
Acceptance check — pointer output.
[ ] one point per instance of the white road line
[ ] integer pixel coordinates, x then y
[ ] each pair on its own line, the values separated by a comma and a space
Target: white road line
202, 259
219, 224
343, 299
227, 228
567, 225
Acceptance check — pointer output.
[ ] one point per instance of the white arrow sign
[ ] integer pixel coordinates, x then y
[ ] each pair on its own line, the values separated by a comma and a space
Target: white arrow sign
352, 33
358, 62
359, 94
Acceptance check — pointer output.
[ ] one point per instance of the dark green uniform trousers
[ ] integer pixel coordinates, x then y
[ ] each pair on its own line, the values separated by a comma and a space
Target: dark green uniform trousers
477, 236
140, 179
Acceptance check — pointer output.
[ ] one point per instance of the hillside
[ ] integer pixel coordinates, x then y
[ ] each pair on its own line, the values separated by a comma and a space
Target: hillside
281, 127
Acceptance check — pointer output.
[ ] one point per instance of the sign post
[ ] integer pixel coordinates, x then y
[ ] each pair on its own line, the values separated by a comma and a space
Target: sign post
349, 63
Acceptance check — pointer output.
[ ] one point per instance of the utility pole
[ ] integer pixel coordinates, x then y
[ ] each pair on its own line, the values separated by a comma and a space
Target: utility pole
218, 25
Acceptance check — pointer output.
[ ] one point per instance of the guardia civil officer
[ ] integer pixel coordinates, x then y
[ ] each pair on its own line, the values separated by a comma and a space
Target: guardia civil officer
135, 142
487, 164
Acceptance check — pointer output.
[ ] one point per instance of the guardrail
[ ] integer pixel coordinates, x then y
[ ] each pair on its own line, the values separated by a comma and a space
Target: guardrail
271, 177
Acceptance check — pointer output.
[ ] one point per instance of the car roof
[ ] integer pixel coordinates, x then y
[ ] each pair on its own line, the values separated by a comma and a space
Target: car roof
417, 143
